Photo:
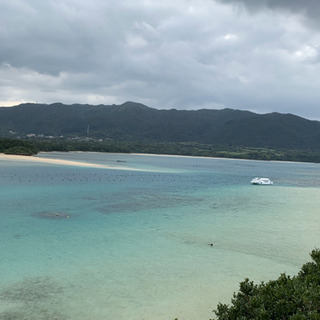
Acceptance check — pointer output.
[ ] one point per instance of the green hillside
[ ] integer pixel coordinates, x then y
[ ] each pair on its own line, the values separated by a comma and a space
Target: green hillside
136, 122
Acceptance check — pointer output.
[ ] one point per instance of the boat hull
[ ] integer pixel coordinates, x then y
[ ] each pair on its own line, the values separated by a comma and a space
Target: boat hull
261, 181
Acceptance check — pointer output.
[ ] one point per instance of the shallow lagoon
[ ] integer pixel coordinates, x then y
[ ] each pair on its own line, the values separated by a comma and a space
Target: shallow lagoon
89, 243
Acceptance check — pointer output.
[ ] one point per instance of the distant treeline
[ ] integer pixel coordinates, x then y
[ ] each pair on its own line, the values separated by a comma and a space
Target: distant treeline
181, 148
17, 146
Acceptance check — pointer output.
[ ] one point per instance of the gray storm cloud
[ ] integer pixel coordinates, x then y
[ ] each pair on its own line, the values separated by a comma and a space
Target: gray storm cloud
185, 54
310, 8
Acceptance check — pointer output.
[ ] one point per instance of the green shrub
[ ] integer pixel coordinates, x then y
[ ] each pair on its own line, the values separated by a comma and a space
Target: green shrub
286, 298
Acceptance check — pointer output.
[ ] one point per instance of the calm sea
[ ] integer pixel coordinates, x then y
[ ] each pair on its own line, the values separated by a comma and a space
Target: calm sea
81, 243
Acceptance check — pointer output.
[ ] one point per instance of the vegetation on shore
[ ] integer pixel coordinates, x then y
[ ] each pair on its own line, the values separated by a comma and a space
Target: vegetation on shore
296, 298
18, 147
33, 146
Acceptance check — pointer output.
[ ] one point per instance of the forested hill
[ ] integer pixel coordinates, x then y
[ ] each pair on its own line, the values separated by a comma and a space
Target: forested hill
136, 122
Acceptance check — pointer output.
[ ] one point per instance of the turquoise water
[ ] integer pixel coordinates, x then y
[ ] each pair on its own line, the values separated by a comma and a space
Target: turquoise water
81, 243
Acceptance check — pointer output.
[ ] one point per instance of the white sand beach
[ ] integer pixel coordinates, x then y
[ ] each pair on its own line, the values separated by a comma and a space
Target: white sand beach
9, 157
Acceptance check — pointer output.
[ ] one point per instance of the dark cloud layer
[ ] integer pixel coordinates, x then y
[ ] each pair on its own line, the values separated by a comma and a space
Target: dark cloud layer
168, 54
308, 9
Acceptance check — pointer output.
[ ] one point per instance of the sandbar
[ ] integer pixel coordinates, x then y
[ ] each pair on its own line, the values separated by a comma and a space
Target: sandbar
9, 157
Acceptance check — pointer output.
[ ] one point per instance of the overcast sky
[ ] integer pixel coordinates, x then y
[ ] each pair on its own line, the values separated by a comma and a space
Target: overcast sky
257, 55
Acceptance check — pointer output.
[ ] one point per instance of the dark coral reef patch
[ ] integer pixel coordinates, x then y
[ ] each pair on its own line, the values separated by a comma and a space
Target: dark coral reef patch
35, 298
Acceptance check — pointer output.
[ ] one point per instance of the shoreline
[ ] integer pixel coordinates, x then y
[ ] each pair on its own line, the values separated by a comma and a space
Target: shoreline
217, 158
147, 154
36, 159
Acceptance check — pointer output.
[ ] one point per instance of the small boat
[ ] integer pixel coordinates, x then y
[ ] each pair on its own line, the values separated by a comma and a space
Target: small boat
261, 181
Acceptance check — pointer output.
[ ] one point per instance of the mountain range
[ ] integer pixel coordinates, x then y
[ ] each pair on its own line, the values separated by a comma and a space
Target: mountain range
136, 122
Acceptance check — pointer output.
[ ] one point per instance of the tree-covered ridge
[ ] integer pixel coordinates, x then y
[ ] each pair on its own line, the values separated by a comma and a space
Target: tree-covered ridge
287, 298
138, 123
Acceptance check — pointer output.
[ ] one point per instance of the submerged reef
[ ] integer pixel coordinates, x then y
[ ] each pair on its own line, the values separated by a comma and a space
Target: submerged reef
38, 298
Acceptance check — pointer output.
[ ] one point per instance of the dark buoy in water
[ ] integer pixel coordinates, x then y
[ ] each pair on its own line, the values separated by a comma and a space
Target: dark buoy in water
52, 215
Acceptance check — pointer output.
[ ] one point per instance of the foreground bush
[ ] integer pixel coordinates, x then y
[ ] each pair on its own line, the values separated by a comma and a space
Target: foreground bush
296, 298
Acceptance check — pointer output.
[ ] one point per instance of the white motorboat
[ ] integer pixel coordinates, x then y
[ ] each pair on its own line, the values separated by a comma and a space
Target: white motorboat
261, 181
